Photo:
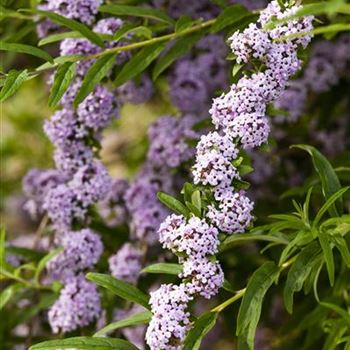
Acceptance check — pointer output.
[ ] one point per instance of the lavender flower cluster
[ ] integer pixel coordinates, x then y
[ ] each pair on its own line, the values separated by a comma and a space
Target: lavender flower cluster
329, 63
239, 117
138, 200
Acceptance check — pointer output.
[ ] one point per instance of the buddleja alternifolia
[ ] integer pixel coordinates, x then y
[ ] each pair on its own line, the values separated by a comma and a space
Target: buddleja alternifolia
112, 56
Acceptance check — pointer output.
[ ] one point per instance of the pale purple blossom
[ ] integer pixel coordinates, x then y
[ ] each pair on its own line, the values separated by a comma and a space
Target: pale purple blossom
170, 321
233, 213
81, 250
126, 264
193, 238
136, 92
77, 306
202, 277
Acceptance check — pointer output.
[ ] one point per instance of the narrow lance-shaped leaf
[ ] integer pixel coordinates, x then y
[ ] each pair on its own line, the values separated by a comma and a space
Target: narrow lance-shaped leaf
95, 74
85, 343
179, 49
12, 83
342, 246
328, 255
137, 11
72, 24
58, 37
63, 77
299, 272
167, 268
122, 289
26, 49
134, 320
228, 16
329, 179
250, 309
138, 63
334, 197
200, 328
172, 203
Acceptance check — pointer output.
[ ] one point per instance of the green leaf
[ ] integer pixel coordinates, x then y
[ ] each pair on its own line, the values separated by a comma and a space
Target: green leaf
138, 63
58, 37
299, 272
250, 309
95, 74
71, 24
200, 328
85, 343
329, 180
63, 77
26, 49
328, 255
122, 289
6, 295
137, 11
343, 313
173, 204
342, 246
181, 47
2, 246
13, 82
42, 263
134, 320
229, 16
329, 203
167, 268
196, 200
234, 239
183, 23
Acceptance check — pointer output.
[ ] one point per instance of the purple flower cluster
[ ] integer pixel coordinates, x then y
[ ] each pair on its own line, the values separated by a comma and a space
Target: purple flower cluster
239, 117
329, 62
77, 306
195, 77
126, 263
136, 92
81, 251
170, 321
112, 208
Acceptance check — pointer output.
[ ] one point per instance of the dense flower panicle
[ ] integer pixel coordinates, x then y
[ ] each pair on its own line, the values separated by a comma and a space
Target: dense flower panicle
294, 26
292, 100
98, 109
72, 46
320, 74
136, 92
221, 144
213, 169
81, 10
170, 321
108, 25
112, 208
188, 90
251, 43
168, 136
204, 277
126, 263
77, 306
63, 128
69, 159
233, 214
194, 238
37, 182
63, 207
145, 222
91, 183
70, 94
213, 72
82, 250
214, 44
252, 130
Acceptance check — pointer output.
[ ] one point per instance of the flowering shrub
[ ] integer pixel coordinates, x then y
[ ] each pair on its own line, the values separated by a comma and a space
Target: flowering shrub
125, 262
